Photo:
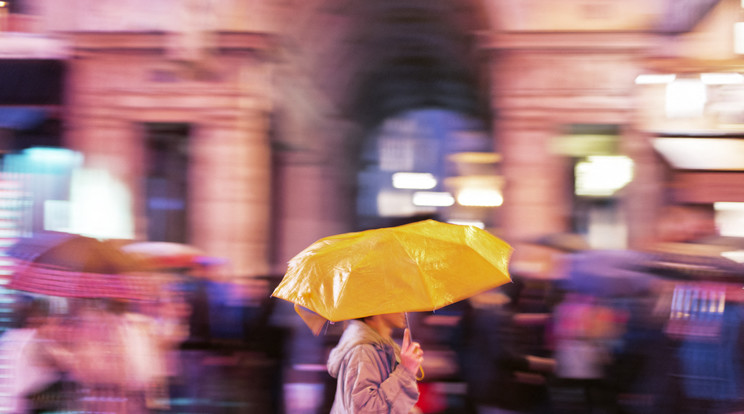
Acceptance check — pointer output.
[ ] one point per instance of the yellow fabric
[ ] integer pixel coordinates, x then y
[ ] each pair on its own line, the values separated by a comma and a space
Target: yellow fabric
420, 266
314, 321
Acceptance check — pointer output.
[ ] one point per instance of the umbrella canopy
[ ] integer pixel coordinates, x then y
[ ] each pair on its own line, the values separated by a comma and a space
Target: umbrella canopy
690, 261
420, 266
611, 273
71, 265
169, 255
71, 252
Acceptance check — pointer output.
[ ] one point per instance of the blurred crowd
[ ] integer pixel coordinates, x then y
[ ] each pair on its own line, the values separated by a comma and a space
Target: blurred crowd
112, 356
99, 330
613, 331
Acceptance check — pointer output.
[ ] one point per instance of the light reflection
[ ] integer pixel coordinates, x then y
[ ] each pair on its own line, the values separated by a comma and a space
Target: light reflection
735, 255
654, 78
728, 78
433, 198
100, 205
685, 98
603, 175
474, 223
479, 197
739, 38
414, 181
702, 153
729, 217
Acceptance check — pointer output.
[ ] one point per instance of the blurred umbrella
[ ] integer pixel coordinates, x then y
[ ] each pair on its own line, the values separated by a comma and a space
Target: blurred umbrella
70, 265
420, 266
692, 261
565, 242
169, 255
610, 273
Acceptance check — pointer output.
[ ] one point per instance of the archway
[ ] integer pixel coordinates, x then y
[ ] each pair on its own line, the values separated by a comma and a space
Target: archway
348, 68
423, 101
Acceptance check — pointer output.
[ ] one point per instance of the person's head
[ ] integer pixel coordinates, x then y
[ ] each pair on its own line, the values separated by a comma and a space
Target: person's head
385, 324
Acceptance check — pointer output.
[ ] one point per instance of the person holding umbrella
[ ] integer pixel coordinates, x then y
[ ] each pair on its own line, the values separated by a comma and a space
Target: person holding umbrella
374, 374
372, 278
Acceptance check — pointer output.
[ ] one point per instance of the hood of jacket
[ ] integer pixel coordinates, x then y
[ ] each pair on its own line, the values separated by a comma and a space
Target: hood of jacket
358, 333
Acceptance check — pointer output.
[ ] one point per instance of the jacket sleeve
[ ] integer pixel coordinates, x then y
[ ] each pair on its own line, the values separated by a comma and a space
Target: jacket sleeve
372, 390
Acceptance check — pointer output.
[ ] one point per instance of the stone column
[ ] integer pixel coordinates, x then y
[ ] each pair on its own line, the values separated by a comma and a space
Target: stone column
544, 82
645, 196
315, 190
535, 196
230, 192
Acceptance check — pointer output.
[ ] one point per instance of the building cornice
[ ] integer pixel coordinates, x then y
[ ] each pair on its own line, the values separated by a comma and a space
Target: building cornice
574, 41
159, 42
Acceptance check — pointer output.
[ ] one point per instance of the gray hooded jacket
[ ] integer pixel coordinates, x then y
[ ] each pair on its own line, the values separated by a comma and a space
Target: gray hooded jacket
370, 379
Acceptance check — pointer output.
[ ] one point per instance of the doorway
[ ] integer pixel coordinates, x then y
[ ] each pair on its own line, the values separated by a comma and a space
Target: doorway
166, 181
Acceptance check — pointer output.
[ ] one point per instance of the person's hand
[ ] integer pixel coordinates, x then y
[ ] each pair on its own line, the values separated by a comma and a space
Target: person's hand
411, 354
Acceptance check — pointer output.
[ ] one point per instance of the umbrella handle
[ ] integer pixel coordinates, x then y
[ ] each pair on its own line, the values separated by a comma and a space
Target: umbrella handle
421, 368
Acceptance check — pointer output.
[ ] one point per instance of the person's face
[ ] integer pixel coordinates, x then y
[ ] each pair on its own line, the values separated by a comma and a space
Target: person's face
395, 320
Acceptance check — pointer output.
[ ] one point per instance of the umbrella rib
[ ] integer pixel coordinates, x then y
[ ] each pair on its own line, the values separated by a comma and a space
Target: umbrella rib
421, 277
340, 292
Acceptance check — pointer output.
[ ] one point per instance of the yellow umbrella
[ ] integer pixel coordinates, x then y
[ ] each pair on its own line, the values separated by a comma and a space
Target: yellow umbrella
415, 267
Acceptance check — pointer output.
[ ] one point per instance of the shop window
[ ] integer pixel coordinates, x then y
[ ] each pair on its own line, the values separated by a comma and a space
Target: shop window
598, 174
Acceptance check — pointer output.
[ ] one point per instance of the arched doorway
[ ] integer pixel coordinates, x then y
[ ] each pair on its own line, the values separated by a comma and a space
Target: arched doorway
423, 103
428, 163
348, 72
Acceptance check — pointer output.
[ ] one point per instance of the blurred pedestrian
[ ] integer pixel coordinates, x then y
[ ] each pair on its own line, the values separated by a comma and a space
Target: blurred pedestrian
26, 372
501, 375
584, 332
164, 323
374, 374
108, 352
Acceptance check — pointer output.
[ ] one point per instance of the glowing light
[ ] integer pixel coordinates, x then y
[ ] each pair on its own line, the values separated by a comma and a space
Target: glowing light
654, 79
479, 197
702, 153
49, 159
433, 198
100, 205
728, 205
685, 98
475, 157
735, 255
414, 181
394, 203
603, 175
739, 38
727, 78
729, 218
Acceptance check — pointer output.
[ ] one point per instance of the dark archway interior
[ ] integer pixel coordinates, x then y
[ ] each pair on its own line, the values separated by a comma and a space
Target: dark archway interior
348, 67
416, 56
419, 54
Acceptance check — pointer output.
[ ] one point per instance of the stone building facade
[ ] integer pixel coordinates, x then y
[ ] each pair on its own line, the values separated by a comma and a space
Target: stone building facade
264, 91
